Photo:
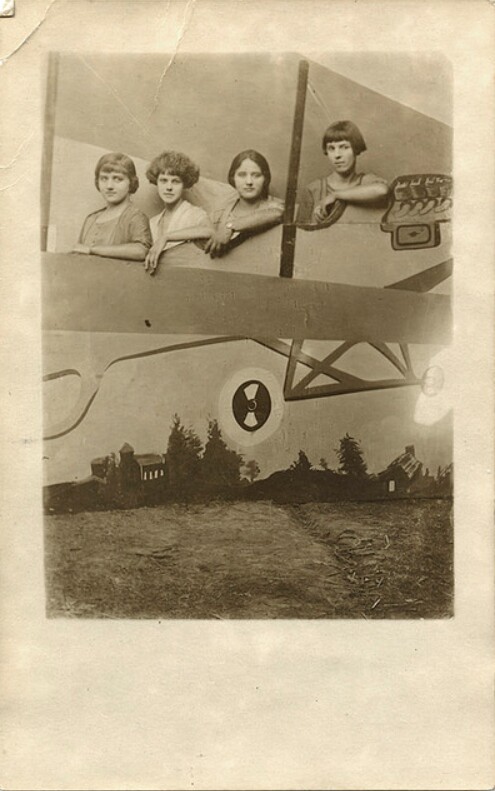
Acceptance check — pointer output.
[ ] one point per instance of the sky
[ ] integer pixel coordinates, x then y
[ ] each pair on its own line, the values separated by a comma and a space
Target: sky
420, 81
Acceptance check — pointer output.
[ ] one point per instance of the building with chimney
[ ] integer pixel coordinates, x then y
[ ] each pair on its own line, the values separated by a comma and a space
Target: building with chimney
403, 475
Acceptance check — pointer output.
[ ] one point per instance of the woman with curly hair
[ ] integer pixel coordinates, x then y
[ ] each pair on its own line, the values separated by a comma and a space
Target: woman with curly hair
179, 221
120, 230
251, 209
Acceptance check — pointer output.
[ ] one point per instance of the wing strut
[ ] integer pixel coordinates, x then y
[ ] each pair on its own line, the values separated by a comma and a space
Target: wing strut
47, 160
289, 229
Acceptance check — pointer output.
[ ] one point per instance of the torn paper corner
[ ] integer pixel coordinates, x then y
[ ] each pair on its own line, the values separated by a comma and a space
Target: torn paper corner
7, 8
29, 35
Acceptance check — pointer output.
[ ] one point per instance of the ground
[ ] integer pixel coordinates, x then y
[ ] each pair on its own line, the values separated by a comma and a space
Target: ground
253, 560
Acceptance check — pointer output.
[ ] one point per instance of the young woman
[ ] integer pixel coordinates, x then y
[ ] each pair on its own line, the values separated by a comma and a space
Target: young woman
342, 143
251, 209
179, 221
119, 230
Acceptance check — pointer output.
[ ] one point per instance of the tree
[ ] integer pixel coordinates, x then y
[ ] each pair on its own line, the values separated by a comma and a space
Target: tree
220, 465
324, 464
351, 458
183, 457
112, 472
252, 469
302, 464
112, 492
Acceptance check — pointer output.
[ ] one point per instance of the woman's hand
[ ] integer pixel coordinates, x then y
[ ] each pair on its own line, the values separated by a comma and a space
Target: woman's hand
153, 256
81, 248
322, 209
217, 244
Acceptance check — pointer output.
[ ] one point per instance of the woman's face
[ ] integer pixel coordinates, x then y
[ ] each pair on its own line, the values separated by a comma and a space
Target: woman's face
341, 156
114, 186
170, 189
249, 181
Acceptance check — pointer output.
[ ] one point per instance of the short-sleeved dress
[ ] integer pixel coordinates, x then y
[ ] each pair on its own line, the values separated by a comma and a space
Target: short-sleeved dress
130, 226
224, 214
318, 190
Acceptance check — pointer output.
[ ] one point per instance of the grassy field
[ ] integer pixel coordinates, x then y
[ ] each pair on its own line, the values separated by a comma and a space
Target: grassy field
253, 560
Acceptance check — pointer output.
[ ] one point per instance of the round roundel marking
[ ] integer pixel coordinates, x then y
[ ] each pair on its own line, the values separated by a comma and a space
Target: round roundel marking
436, 399
251, 405
433, 380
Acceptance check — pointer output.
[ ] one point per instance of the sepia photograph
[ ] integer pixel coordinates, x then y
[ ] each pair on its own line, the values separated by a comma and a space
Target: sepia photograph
248, 407
246, 279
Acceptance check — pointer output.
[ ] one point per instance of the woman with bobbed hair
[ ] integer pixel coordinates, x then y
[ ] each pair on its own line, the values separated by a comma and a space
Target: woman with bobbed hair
344, 130
342, 143
252, 209
119, 230
179, 221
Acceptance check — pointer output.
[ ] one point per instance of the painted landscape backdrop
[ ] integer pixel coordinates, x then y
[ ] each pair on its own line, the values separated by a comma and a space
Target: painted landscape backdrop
190, 471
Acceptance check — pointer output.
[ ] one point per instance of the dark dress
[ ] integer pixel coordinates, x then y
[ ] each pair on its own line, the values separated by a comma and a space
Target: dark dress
130, 226
318, 190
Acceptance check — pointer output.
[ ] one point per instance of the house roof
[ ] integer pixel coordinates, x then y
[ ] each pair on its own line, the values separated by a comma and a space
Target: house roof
145, 459
406, 462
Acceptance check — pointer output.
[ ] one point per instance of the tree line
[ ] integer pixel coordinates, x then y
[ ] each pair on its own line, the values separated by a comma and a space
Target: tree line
189, 465
349, 454
196, 470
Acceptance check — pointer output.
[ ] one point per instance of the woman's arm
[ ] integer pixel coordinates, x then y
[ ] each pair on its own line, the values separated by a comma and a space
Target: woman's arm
131, 251
136, 229
217, 245
152, 260
258, 219
219, 240
362, 193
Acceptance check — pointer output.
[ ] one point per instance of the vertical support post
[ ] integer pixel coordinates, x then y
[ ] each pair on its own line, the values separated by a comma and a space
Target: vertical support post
289, 229
48, 135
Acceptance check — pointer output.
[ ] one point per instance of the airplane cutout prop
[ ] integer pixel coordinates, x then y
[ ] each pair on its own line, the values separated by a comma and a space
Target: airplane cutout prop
281, 288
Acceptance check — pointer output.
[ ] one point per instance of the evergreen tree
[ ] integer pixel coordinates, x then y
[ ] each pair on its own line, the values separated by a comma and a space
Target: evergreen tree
112, 472
252, 469
220, 465
302, 464
183, 457
351, 458
324, 464
113, 490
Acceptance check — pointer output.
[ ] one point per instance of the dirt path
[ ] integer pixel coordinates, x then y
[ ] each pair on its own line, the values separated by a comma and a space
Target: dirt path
223, 560
395, 558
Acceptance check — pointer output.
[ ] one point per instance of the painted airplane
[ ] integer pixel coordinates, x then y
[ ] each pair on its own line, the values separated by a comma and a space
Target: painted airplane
359, 305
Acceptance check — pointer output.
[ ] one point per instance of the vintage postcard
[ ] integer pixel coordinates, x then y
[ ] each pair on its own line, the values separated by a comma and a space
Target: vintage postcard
253, 306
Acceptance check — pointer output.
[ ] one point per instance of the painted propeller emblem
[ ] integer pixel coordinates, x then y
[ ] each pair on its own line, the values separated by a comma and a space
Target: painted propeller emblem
251, 405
